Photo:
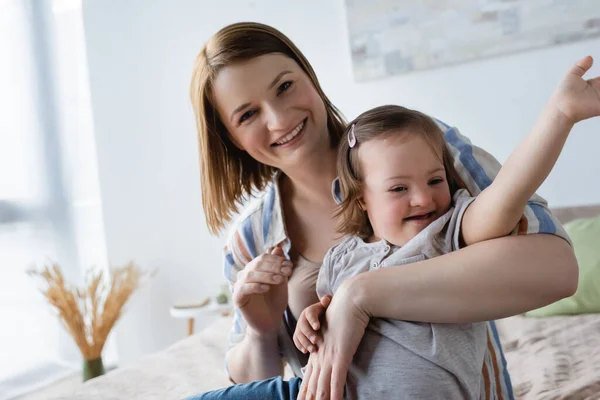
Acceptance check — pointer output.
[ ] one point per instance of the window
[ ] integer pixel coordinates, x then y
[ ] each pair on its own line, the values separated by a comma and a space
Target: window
50, 207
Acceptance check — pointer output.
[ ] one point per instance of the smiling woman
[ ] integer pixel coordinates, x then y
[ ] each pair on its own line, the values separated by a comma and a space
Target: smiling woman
280, 120
243, 90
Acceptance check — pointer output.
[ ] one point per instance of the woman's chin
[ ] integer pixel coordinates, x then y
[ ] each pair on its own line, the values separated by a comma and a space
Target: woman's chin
306, 152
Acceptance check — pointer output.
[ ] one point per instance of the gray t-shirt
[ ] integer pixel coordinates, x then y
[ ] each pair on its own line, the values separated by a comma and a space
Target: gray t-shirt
402, 359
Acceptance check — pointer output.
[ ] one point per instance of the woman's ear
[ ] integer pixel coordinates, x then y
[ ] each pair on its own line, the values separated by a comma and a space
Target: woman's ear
235, 142
362, 204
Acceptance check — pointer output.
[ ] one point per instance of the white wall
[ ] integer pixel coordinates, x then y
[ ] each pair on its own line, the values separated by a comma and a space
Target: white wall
141, 54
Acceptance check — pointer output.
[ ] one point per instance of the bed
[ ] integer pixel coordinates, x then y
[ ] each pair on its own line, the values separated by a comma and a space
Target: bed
548, 358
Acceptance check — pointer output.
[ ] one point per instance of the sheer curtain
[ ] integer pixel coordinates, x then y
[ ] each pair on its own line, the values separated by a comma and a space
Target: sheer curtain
50, 207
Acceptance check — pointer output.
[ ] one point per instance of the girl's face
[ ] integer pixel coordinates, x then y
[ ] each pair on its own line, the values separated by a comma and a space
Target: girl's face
405, 186
272, 110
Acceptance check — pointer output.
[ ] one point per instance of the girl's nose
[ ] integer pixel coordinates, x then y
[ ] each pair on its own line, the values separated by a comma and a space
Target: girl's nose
421, 197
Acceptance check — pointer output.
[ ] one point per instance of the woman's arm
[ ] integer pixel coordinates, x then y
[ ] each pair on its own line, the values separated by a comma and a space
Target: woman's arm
485, 281
259, 289
255, 358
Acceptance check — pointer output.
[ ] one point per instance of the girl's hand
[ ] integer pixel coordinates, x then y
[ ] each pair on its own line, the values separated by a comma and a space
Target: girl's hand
342, 331
307, 328
576, 98
260, 292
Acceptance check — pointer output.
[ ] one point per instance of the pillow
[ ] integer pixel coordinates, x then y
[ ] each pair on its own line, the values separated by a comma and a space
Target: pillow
585, 235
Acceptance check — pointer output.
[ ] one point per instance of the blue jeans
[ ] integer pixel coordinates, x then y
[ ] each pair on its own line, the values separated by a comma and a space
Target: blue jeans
274, 388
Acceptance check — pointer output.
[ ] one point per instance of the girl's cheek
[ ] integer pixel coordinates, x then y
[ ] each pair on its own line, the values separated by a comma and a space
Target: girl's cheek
396, 209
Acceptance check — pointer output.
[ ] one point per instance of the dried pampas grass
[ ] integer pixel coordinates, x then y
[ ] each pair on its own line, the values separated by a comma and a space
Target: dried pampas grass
90, 312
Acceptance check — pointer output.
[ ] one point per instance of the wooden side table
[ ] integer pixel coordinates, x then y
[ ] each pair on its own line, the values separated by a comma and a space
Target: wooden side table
193, 310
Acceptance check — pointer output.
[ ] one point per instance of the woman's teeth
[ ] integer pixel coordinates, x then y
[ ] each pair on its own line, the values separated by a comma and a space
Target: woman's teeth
291, 135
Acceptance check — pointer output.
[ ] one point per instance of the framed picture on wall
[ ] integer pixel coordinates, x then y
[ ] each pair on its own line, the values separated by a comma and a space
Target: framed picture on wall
390, 37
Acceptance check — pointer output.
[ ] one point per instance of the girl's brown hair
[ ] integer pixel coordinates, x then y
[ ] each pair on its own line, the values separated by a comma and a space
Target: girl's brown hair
228, 175
375, 124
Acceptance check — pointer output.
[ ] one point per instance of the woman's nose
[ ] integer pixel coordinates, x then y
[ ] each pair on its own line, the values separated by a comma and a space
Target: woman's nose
276, 119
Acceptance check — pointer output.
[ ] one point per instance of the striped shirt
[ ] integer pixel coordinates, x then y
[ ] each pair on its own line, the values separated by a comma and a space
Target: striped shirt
261, 226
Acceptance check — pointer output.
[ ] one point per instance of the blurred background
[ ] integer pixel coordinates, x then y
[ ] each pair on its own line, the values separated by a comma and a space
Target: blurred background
99, 159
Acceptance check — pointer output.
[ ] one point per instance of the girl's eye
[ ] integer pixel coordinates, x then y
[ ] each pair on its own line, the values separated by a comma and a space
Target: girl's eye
398, 189
435, 181
284, 86
246, 115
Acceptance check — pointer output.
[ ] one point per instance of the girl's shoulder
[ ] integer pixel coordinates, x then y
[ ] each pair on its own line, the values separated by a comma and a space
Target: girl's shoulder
337, 253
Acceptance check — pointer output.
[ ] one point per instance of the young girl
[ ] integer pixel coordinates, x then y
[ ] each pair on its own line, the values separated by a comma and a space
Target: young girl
403, 202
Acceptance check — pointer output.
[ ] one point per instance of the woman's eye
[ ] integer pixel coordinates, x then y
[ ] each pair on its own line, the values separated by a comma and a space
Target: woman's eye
246, 115
284, 86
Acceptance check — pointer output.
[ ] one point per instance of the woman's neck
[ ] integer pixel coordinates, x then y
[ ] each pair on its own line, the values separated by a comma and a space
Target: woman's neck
312, 182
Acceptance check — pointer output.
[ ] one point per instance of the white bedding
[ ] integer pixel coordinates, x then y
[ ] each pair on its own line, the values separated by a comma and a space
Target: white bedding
548, 358
553, 357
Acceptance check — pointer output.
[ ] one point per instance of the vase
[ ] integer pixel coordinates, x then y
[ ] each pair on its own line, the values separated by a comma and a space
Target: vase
92, 368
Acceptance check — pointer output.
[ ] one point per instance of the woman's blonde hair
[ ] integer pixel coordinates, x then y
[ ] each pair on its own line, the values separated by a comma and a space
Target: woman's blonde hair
375, 124
228, 174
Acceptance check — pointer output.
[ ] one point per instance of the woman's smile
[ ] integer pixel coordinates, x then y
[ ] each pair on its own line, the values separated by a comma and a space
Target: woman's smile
293, 137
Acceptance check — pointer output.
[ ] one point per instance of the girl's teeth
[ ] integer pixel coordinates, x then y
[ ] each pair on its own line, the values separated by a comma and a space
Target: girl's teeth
425, 216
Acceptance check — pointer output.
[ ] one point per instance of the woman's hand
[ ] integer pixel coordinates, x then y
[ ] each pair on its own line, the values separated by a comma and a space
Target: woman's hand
342, 331
307, 328
576, 98
260, 292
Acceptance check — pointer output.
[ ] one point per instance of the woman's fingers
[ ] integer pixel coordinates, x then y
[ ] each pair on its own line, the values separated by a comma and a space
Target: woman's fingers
268, 263
241, 292
265, 273
324, 382
277, 250
338, 380
252, 282
263, 277
259, 275
313, 384
302, 394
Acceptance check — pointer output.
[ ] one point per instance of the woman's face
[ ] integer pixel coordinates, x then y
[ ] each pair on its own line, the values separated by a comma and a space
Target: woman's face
272, 110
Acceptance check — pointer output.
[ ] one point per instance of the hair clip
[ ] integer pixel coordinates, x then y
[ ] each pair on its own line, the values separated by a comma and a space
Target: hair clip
352, 137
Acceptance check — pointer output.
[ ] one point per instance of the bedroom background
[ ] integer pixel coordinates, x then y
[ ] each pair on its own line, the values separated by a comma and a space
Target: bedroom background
134, 147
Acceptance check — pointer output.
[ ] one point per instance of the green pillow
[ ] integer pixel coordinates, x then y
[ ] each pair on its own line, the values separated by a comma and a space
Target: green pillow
585, 235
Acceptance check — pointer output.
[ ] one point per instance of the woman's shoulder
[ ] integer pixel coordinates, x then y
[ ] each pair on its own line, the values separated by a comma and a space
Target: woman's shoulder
262, 208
